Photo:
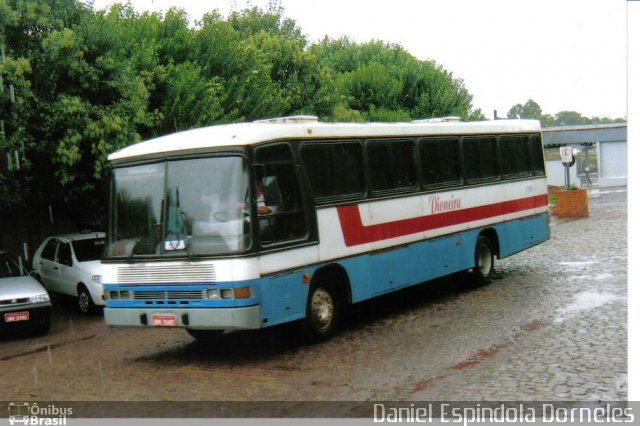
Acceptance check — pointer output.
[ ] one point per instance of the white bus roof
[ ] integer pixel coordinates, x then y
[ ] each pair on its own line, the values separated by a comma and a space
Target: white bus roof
295, 128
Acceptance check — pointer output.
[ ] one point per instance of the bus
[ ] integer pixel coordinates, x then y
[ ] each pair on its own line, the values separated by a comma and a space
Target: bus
250, 225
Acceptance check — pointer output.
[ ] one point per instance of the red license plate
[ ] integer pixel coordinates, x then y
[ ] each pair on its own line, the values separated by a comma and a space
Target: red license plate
16, 316
164, 320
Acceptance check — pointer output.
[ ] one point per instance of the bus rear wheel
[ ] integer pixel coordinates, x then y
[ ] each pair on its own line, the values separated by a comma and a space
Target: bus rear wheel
484, 261
323, 309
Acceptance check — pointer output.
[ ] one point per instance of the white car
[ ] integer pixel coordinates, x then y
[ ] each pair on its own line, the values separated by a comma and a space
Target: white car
24, 303
70, 264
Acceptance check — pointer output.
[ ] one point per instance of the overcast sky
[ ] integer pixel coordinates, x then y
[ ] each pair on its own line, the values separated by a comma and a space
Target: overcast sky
564, 54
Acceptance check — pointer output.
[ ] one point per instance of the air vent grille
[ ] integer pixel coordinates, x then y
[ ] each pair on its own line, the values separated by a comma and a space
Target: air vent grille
182, 273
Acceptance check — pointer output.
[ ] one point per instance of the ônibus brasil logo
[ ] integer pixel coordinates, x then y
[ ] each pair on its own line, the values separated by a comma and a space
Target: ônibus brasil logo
27, 413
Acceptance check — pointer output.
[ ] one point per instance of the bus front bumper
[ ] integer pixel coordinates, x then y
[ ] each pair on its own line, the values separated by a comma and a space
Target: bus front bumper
243, 318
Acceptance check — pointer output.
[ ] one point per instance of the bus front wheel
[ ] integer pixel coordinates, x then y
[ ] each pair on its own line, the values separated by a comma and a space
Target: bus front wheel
323, 308
485, 261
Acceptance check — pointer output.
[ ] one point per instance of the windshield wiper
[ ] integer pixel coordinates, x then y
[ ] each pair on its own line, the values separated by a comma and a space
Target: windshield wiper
178, 228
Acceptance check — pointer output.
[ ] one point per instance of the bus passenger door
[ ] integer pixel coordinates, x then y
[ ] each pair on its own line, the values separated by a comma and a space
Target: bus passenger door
283, 298
285, 232
284, 292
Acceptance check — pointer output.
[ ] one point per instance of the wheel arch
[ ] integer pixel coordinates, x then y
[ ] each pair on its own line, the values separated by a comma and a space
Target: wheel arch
492, 235
82, 284
336, 276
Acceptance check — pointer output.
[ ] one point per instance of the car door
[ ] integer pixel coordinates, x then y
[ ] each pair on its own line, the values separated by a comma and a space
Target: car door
64, 274
47, 265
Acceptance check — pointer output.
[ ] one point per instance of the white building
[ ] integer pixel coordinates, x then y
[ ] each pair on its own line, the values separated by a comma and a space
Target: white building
602, 147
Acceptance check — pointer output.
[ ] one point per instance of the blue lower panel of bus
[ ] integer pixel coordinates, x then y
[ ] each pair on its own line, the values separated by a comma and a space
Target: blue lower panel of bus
389, 270
283, 297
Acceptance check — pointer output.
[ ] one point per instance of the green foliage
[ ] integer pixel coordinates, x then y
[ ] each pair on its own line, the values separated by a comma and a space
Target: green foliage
87, 83
532, 110
378, 75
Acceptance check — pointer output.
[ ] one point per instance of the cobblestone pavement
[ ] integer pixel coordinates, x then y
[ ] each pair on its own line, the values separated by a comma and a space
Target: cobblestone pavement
552, 326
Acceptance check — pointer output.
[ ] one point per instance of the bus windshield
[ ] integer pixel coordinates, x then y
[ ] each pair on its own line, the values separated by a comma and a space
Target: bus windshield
191, 207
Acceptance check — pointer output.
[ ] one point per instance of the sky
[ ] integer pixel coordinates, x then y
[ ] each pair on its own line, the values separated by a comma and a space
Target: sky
563, 54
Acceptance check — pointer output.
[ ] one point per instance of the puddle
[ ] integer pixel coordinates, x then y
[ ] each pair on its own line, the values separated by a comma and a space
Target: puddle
604, 276
586, 275
584, 302
577, 265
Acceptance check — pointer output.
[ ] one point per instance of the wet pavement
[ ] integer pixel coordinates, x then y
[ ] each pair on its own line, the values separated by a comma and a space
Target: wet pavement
552, 326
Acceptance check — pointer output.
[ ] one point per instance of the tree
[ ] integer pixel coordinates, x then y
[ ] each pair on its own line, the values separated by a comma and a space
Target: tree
567, 118
377, 75
87, 83
532, 110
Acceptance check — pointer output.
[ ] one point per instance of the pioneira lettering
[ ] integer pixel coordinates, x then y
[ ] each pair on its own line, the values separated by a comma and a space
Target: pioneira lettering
439, 206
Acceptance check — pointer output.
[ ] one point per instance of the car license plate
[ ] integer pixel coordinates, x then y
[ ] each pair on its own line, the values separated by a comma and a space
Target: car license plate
16, 316
164, 320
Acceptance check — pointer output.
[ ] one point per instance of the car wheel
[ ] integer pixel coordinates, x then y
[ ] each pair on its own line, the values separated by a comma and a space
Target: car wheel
85, 303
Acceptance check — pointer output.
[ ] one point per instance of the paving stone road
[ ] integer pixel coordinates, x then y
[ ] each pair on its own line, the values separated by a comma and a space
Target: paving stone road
552, 326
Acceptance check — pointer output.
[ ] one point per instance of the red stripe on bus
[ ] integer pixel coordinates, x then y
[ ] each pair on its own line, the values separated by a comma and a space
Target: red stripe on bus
356, 233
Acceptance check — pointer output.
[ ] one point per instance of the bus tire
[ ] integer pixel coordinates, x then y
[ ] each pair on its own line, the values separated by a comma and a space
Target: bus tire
323, 312
204, 335
484, 261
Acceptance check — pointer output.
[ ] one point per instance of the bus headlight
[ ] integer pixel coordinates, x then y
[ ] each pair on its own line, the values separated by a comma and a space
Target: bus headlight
213, 293
116, 295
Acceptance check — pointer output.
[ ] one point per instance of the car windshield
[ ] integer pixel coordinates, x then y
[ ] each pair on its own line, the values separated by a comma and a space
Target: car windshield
9, 267
90, 249
192, 207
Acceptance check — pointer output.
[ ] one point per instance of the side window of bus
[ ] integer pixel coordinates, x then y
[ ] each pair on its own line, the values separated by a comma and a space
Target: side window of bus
391, 165
335, 170
440, 161
480, 158
285, 220
537, 158
514, 155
